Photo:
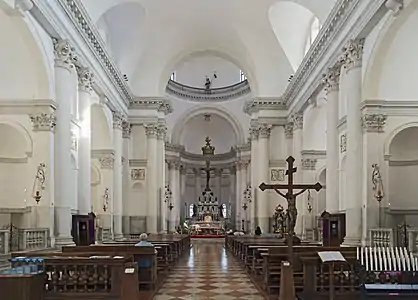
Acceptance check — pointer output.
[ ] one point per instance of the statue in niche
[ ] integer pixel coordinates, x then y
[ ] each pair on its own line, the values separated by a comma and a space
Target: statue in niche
280, 221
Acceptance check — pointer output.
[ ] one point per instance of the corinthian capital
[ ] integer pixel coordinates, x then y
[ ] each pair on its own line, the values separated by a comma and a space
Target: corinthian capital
151, 130
264, 130
297, 121
126, 129
288, 130
373, 122
64, 53
161, 132
117, 120
254, 132
85, 79
395, 5
352, 54
331, 79
43, 122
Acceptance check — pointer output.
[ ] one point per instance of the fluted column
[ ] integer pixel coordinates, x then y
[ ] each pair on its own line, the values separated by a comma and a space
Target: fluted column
162, 207
332, 83
84, 143
252, 207
152, 180
65, 94
297, 120
117, 175
263, 153
126, 176
352, 59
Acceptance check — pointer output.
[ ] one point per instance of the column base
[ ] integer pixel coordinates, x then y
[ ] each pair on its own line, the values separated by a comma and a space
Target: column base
352, 241
119, 237
61, 241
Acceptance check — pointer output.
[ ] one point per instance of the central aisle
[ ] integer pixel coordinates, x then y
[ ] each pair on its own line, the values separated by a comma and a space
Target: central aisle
208, 273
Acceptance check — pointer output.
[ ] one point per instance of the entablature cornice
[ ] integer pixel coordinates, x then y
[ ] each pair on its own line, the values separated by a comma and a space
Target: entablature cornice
390, 107
137, 162
159, 104
24, 107
348, 20
260, 104
99, 153
277, 163
317, 154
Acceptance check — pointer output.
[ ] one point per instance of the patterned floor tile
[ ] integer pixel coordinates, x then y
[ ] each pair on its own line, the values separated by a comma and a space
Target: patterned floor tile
208, 273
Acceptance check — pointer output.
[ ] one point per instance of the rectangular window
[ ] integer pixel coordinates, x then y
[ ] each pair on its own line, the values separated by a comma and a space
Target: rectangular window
173, 76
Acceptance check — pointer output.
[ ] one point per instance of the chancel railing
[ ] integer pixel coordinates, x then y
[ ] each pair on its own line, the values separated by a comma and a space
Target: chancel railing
27, 239
381, 237
202, 95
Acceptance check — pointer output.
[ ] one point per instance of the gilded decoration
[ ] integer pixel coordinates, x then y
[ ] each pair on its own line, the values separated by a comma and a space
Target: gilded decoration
280, 221
277, 174
137, 174
43, 122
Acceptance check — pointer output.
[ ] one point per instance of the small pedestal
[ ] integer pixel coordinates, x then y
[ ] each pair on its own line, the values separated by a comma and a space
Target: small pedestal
287, 282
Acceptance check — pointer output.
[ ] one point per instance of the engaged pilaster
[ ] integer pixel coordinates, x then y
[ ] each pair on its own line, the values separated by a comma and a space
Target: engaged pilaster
162, 208
351, 61
263, 213
118, 120
332, 87
254, 134
151, 131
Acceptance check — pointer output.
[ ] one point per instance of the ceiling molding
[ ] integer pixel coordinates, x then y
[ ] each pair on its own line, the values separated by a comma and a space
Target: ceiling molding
212, 95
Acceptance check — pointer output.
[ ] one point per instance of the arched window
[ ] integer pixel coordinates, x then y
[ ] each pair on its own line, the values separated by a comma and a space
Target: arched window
313, 33
242, 76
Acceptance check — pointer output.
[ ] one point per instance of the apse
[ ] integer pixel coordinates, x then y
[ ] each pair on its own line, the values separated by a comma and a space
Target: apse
213, 126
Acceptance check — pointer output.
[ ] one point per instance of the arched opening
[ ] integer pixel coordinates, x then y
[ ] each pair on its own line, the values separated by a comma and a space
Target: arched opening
23, 74
100, 129
16, 179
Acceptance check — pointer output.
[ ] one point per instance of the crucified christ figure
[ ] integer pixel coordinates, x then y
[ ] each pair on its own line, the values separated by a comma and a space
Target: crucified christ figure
292, 212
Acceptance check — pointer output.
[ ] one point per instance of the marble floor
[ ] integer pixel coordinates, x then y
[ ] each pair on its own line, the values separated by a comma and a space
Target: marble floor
208, 272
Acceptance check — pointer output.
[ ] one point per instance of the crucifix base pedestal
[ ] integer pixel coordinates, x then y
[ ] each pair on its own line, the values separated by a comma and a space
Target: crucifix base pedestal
287, 282
296, 240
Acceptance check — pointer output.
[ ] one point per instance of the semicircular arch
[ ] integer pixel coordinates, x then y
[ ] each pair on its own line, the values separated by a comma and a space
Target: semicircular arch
25, 138
180, 126
101, 137
394, 133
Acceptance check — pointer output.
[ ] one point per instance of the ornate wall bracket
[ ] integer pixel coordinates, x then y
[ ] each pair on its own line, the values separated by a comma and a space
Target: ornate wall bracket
374, 122
43, 122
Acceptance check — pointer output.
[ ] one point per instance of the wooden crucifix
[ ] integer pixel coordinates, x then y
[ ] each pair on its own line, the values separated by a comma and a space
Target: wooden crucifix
290, 196
208, 169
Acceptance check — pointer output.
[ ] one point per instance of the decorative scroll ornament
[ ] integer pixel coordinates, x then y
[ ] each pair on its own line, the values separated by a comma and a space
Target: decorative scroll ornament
395, 5
309, 163
39, 183
106, 200
288, 130
64, 53
331, 79
352, 54
277, 174
374, 122
43, 122
151, 130
265, 130
107, 162
126, 129
117, 120
85, 79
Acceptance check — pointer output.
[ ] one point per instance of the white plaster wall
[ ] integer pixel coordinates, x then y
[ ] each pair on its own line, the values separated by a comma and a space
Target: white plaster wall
194, 70
314, 124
